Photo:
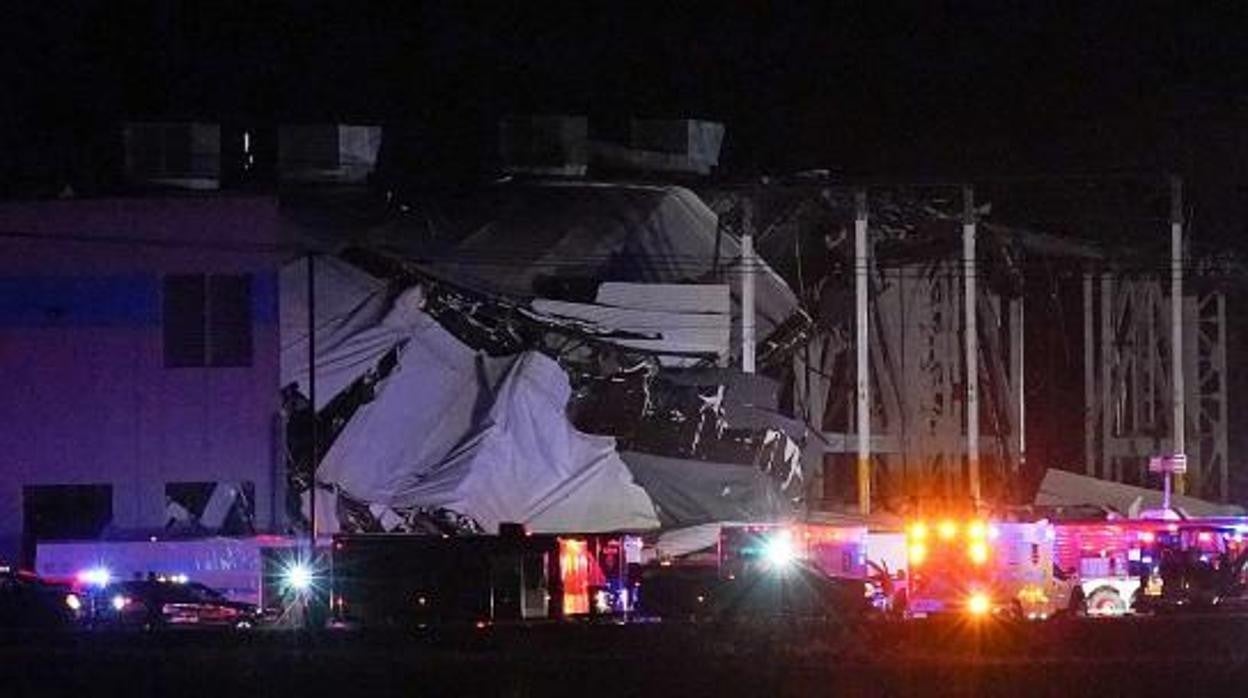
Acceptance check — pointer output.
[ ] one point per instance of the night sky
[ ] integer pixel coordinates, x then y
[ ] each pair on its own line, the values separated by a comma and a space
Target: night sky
882, 89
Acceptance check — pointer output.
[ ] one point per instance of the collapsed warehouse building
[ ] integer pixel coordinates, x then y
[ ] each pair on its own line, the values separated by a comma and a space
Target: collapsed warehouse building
634, 293
615, 311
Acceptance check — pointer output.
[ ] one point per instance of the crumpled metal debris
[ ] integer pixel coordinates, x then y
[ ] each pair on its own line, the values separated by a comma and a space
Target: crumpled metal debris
360, 517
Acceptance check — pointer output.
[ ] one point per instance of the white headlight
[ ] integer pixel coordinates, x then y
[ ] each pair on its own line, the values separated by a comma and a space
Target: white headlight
778, 551
299, 577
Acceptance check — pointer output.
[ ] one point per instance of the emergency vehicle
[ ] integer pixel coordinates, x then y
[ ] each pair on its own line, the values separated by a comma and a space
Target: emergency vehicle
1107, 560
837, 551
833, 557
1193, 563
1131, 565
405, 581
982, 568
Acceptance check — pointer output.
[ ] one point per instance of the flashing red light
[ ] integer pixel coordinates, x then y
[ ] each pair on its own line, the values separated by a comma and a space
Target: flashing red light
917, 553
1147, 537
978, 553
978, 604
574, 570
976, 530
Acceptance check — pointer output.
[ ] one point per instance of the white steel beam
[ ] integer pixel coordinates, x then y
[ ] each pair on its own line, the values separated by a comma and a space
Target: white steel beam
971, 335
1177, 391
863, 337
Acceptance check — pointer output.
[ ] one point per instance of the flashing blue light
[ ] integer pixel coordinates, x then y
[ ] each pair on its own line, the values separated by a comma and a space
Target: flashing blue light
96, 577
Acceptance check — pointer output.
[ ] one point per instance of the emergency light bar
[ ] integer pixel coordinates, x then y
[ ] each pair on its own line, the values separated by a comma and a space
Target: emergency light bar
96, 576
975, 533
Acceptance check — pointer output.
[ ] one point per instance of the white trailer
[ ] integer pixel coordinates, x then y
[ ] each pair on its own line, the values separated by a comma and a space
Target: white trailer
229, 565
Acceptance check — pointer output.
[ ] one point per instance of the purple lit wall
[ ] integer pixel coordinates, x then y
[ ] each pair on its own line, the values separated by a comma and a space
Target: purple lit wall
87, 396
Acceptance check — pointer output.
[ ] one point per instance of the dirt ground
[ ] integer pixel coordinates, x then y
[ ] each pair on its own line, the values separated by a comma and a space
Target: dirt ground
1174, 656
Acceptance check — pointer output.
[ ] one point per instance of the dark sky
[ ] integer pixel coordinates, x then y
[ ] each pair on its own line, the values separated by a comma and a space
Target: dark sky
876, 87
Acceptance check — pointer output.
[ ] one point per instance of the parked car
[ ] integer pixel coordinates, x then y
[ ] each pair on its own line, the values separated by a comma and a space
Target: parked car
30, 603
156, 604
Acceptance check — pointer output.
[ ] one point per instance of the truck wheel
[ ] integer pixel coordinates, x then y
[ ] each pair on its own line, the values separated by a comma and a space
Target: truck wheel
1105, 601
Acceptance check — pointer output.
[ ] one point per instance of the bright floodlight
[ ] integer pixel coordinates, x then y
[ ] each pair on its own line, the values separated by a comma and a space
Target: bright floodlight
299, 577
778, 551
96, 576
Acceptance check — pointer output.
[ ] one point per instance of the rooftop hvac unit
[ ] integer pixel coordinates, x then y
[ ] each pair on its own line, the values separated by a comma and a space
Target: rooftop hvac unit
327, 152
545, 145
174, 154
676, 145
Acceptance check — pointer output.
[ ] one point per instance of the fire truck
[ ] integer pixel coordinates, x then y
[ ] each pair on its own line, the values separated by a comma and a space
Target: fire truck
1108, 561
982, 568
1193, 564
1141, 565
406, 581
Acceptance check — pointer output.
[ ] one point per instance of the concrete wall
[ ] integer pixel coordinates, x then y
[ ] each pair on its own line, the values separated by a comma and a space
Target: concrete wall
86, 396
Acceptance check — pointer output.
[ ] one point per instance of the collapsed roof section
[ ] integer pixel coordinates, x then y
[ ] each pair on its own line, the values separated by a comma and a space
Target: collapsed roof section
357, 320
491, 346
563, 240
451, 439
804, 229
487, 437
1065, 489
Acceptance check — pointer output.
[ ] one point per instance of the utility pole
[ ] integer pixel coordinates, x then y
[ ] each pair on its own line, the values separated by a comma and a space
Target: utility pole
1177, 388
862, 345
971, 336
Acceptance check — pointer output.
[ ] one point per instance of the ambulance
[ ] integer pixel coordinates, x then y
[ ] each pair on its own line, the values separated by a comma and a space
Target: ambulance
979, 568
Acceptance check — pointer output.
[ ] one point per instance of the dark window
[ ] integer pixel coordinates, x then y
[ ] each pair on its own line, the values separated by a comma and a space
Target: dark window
64, 512
229, 320
159, 148
207, 320
185, 315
